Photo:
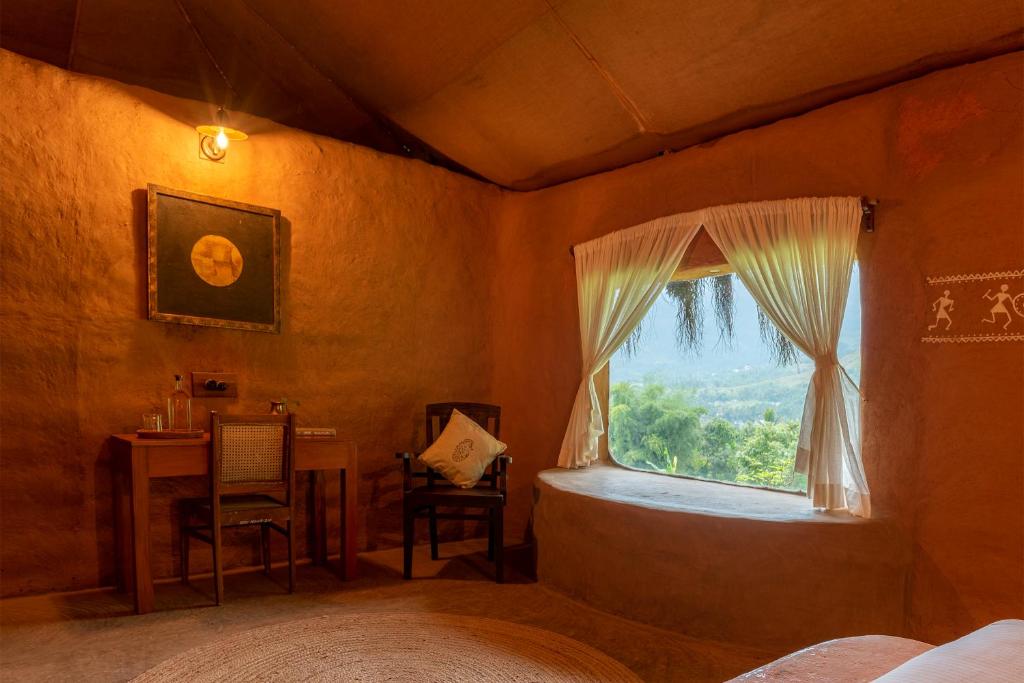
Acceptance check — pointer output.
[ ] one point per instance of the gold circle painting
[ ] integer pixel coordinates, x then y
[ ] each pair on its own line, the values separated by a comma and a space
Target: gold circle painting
216, 260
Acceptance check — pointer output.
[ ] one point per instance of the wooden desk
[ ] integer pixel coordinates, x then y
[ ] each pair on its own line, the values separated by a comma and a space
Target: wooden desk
136, 461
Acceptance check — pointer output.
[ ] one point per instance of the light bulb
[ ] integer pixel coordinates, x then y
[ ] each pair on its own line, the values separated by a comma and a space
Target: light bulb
222, 140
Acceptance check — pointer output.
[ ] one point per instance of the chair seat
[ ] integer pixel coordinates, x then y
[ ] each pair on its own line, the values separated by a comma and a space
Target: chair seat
452, 495
235, 503
239, 510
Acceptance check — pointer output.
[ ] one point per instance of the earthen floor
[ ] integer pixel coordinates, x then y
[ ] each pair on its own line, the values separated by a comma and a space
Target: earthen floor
93, 636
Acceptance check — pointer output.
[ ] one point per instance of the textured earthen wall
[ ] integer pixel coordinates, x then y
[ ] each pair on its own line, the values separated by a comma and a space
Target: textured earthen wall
683, 559
943, 434
385, 307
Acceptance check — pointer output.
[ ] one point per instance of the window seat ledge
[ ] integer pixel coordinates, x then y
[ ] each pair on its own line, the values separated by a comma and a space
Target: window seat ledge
746, 566
663, 492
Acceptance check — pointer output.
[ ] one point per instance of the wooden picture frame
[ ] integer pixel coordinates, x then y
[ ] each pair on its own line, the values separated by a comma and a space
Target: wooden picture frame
213, 262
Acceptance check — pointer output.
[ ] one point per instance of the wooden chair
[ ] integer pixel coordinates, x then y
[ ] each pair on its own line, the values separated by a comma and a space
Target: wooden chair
490, 494
252, 483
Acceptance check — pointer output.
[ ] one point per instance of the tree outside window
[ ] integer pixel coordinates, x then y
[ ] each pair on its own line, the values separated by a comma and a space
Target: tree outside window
709, 388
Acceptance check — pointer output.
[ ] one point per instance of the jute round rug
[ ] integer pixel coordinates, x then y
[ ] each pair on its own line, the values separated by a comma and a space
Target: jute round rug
389, 646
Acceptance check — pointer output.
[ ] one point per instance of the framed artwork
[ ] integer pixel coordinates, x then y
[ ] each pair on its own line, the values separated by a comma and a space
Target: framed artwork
213, 262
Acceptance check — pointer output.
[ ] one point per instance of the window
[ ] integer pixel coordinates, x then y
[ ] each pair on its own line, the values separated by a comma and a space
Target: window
708, 388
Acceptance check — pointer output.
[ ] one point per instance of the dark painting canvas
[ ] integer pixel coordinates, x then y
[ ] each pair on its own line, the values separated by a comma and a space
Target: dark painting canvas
212, 261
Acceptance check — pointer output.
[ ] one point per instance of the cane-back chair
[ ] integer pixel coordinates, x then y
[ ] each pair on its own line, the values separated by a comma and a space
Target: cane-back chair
252, 483
490, 494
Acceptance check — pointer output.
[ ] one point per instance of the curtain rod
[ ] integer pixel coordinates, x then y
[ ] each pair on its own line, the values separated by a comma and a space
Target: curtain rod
867, 220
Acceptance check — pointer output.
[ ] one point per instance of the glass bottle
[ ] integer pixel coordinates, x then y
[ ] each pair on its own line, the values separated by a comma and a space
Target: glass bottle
179, 408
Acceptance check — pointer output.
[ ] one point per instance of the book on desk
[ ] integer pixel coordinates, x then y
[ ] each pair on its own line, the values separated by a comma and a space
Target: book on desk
316, 433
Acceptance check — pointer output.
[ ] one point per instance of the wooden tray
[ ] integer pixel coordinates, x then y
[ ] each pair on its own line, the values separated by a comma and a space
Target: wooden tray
169, 434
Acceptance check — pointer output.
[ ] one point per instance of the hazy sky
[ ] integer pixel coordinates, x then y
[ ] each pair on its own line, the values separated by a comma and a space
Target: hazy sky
659, 352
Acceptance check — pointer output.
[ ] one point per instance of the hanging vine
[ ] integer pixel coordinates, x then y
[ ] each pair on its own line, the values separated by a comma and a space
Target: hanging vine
632, 343
724, 307
689, 298
779, 347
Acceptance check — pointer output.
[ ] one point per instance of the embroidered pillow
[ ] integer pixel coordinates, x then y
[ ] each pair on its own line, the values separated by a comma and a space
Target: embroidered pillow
463, 451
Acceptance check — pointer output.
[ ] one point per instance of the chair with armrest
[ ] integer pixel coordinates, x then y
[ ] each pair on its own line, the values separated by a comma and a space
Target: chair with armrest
489, 494
252, 483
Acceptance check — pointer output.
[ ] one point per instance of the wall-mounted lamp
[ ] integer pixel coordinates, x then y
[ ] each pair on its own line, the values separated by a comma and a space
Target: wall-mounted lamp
215, 138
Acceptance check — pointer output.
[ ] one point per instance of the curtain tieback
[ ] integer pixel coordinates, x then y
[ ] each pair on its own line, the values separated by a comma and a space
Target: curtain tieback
826, 362
829, 361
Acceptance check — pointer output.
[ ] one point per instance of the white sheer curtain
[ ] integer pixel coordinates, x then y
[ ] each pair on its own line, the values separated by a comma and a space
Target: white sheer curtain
618, 278
795, 256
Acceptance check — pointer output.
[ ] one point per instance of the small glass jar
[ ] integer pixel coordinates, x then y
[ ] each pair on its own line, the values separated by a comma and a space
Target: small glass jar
153, 422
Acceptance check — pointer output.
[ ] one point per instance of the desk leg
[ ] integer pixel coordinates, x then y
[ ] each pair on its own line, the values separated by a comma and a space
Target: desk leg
349, 507
123, 521
139, 492
319, 485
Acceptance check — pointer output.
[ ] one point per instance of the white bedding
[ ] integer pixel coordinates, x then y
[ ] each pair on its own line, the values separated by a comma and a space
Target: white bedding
992, 654
859, 659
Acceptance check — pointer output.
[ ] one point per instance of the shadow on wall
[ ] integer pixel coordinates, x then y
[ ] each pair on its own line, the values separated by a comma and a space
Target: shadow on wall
946, 609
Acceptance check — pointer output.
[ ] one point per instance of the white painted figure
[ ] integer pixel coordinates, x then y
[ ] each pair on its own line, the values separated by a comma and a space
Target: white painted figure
943, 305
1000, 297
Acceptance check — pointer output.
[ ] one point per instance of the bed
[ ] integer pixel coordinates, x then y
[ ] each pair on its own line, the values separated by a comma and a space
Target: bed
994, 653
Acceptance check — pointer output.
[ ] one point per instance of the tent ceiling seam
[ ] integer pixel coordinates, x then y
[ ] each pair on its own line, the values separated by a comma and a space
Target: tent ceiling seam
461, 75
74, 35
309, 62
283, 87
399, 135
617, 91
206, 48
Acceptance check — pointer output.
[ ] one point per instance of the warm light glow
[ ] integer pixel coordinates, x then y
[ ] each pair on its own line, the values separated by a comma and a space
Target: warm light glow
215, 138
216, 130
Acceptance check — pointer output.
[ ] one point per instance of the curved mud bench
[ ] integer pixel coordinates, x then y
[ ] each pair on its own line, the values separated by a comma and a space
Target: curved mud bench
716, 561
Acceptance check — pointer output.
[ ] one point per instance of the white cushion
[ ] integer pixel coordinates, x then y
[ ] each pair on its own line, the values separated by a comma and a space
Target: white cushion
990, 654
463, 451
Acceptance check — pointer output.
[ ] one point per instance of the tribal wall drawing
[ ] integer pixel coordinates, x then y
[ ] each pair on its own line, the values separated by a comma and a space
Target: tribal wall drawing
975, 307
